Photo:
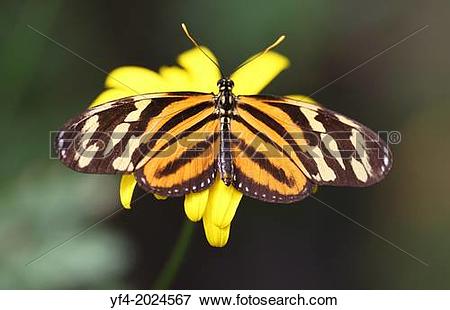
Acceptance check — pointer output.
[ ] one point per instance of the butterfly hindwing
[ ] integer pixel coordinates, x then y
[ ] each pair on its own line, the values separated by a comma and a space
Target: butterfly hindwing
185, 160
329, 148
263, 170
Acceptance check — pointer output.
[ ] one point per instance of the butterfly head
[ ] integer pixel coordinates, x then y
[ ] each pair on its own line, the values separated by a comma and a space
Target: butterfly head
225, 84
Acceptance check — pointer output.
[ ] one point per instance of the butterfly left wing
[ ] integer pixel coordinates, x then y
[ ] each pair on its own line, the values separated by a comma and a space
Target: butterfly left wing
122, 136
328, 148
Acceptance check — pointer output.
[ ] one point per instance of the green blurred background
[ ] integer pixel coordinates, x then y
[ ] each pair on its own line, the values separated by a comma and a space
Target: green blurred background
301, 246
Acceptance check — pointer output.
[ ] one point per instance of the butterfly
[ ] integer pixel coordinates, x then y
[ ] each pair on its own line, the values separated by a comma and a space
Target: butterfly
271, 148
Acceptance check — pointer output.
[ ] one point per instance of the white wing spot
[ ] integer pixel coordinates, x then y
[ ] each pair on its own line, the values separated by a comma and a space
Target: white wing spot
333, 148
347, 121
130, 167
87, 156
116, 136
359, 170
326, 173
358, 142
140, 107
91, 124
89, 128
311, 117
121, 163
316, 177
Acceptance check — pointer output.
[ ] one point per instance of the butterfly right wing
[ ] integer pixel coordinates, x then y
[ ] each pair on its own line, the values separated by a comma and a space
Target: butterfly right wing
328, 147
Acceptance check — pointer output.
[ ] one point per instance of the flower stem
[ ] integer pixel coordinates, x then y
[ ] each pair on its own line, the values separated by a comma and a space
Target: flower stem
167, 275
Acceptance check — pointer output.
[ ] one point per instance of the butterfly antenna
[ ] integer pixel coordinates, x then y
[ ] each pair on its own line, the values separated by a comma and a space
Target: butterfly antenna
262, 53
190, 37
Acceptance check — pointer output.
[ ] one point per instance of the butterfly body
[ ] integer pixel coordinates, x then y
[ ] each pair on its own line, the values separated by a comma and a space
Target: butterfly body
225, 103
270, 148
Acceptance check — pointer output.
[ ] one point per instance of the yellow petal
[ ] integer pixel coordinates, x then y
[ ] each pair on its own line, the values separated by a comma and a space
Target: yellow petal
127, 185
176, 77
315, 188
222, 204
216, 236
221, 207
202, 72
111, 94
136, 79
256, 75
159, 197
195, 205
302, 98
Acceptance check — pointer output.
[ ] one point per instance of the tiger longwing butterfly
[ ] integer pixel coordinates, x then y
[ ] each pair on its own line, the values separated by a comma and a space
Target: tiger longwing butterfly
270, 148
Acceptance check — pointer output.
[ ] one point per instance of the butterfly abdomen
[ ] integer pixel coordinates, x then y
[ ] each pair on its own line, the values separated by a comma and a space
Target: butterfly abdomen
225, 162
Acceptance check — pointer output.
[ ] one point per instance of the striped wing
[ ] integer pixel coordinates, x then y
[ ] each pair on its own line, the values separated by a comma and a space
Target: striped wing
182, 160
263, 170
324, 146
150, 135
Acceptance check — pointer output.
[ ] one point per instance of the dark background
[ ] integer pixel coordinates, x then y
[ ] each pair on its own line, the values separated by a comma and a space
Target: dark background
306, 245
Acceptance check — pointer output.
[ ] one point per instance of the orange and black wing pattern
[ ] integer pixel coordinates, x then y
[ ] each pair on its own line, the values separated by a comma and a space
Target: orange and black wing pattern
301, 145
166, 139
182, 160
263, 169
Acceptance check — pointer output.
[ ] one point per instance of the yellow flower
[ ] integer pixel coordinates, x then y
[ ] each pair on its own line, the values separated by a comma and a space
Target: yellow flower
218, 204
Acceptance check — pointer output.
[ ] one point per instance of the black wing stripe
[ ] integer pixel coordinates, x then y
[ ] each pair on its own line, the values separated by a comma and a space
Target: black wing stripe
174, 121
118, 128
264, 193
292, 139
339, 132
147, 149
187, 156
262, 161
178, 118
266, 139
107, 119
179, 189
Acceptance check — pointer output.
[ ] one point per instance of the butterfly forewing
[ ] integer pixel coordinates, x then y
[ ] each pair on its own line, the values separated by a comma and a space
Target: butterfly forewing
122, 136
326, 146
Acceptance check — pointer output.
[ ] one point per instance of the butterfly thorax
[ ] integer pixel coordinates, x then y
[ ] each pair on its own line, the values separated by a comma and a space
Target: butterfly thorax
225, 100
225, 108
